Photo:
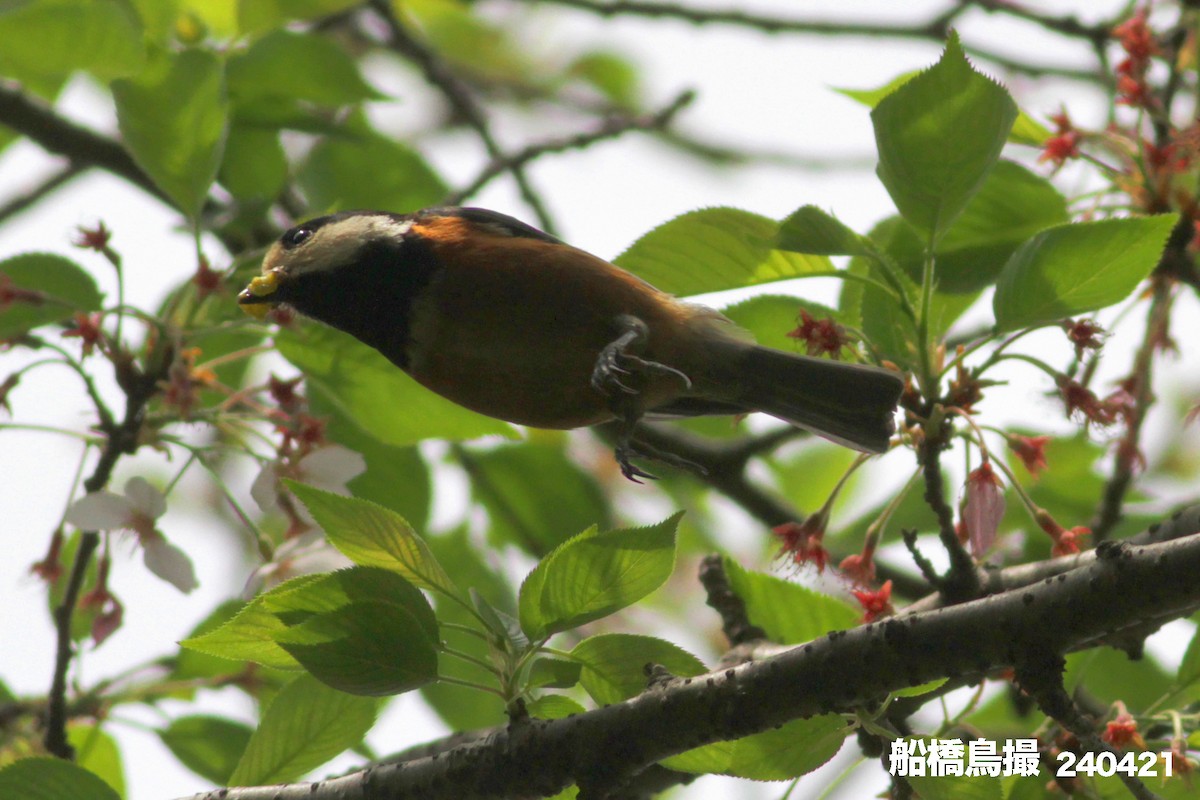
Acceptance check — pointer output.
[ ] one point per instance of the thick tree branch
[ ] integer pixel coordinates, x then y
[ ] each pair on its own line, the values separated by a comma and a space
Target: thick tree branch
1123, 587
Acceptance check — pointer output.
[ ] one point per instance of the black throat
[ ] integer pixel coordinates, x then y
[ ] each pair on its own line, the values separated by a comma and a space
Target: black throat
370, 299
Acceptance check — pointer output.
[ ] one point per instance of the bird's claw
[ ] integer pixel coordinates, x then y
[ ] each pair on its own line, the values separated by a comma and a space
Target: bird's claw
615, 361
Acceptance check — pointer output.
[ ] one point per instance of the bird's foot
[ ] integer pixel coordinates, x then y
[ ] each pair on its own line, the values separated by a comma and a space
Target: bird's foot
626, 451
616, 364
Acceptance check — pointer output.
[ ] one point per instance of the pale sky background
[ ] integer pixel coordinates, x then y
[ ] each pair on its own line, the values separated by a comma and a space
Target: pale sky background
755, 90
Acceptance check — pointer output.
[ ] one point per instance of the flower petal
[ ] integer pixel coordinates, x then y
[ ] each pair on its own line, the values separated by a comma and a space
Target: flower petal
169, 563
103, 511
146, 498
265, 489
331, 467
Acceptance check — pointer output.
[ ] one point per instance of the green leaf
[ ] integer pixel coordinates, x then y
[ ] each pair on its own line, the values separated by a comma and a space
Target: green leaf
371, 535
173, 118
795, 749
371, 390
209, 746
957, 787
1189, 669
1012, 205
265, 15
595, 574
609, 73
808, 229
462, 707
62, 286
1073, 269
41, 778
52, 38
554, 706
534, 494
714, 249
373, 648
254, 167
924, 688
250, 635
1026, 130
360, 168
362, 630
614, 664
97, 752
306, 725
939, 136
299, 66
271, 630
888, 329
1110, 675
771, 317
473, 43
395, 477
553, 673
788, 612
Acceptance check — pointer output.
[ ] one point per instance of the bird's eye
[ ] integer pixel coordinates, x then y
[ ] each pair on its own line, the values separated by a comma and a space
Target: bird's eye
296, 237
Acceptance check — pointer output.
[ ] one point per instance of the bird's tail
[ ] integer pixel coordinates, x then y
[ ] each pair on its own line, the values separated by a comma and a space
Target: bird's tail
851, 404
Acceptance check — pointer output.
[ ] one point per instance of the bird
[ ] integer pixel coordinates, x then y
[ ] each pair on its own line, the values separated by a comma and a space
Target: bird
506, 320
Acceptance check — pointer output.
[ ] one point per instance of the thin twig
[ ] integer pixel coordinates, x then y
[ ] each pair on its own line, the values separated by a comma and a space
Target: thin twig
609, 129
33, 196
1128, 452
458, 95
139, 388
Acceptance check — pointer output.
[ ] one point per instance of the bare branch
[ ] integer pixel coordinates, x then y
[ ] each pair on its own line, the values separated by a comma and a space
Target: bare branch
610, 129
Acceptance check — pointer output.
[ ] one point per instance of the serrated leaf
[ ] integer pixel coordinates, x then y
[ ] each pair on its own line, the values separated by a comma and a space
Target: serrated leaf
306, 725
1073, 269
368, 388
613, 664
62, 288
795, 749
371, 648
594, 574
41, 778
1025, 130
173, 117
788, 612
939, 136
371, 535
250, 635
714, 249
209, 746
1012, 205
808, 229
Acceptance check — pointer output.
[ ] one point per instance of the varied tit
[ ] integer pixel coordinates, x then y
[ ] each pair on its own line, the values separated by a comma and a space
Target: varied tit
506, 320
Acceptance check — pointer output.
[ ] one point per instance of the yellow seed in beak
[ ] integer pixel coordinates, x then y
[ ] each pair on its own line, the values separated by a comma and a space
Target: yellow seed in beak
258, 310
263, 285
